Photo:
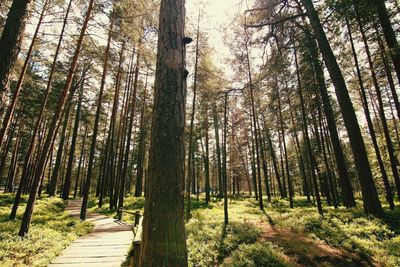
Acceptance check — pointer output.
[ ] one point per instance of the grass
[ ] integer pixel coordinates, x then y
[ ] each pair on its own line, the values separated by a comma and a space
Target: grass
51, 231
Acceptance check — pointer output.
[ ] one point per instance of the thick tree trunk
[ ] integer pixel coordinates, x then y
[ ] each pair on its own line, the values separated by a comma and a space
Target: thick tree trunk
369, 192
164, 239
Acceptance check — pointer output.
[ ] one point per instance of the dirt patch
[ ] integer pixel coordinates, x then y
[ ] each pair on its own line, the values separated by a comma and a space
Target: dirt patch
304, 251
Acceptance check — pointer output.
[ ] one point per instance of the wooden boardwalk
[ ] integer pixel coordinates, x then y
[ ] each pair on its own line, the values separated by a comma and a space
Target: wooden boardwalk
107, 245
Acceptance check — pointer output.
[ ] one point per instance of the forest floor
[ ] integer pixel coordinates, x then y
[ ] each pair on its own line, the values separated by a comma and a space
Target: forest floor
280, 236
52, 230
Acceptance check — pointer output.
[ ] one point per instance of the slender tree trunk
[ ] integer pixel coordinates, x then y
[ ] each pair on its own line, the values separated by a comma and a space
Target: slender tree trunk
78, 174
207, 158
369, 192
9, 188
388, 31
11, 108
218, 150
164, 239
88, 182
142, 146
60, 152
192, 115
71, 159
274, 161
224, 160
254, 114
344, 179
311, 158
32, 144
265, 168
26, 220
301, 159
364, 100
382, 115
290, 185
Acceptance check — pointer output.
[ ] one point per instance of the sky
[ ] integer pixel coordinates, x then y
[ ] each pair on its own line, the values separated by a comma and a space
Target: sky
219, 14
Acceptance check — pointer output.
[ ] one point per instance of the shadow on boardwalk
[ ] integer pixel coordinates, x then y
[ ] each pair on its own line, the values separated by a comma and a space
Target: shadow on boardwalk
106, 245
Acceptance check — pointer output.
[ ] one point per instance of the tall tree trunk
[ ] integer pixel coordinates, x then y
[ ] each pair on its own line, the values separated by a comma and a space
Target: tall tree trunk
388, 31
344, 179
274, 161
26, 220
364, 101
254, 117
142, 146
60, 152
192, 115
372, 204
164, 239
78, 173
218, 150
11, 40
207, 158
290, 185
88, 182
301, 159
311, 158
11, 108
32, 143
224, 159
265, 167
382, 115
71, 158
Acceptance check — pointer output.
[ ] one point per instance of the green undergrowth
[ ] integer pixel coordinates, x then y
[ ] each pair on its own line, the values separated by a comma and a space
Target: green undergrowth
51, 231
371, 238
211, 243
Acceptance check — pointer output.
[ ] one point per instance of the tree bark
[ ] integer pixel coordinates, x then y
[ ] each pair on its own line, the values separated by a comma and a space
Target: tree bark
164, 239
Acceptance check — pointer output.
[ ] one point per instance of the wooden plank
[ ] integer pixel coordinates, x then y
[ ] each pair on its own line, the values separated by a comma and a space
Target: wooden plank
107, 245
